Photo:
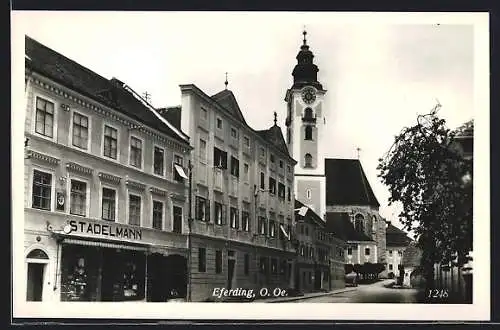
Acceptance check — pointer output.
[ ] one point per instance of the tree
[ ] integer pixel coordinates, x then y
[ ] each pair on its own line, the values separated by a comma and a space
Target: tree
425, 172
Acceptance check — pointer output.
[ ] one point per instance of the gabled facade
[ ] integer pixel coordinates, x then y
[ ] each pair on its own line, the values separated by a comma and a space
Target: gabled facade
397, 242
242, 197
105, 188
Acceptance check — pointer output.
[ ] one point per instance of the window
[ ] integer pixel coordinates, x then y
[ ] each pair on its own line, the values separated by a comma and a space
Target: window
308, 113
178, 160
80, 131
308, 193
246, 174
108, 204
135, 152
288, 169
374, 223
157, 215
220, 158
272, 228
390, 266
289, 194
235, 167
262, 181
359, 222
204, 114
349, 251
281, 191
233, 213
306, 229
390, 252
177, 228
281, 163
308, 160
110, 142
179, 174
245, 221
274, 266
202, 260
218, 262
246, 264
234, 133
44, 123
202, 209
202, 152
158, 161
262, 226
400, 253
218, 213
42, 190
367, 251
262, 152
263, 265
272, 185
134, 210
246, 142
271, 158
308, 133
219, 123
78, 198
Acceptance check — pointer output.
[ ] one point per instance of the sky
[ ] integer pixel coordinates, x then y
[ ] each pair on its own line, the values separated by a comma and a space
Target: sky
380, 70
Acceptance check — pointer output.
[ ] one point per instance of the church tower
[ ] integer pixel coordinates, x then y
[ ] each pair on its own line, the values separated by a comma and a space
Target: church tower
305, 128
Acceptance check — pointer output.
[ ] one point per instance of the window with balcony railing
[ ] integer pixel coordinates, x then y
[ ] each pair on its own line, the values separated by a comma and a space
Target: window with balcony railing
220, 158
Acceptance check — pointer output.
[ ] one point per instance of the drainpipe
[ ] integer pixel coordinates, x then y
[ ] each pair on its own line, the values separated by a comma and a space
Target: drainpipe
190, 223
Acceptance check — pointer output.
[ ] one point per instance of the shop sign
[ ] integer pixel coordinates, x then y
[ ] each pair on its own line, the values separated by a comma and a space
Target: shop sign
108, 230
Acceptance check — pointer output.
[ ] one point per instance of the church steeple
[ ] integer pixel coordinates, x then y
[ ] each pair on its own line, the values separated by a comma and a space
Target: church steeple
305, 72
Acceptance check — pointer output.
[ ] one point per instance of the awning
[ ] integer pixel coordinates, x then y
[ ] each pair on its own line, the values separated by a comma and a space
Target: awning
302, 210
104, 244
180, 171
284, 231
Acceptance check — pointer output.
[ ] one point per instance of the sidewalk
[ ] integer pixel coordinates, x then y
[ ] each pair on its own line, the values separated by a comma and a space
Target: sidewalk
308, 295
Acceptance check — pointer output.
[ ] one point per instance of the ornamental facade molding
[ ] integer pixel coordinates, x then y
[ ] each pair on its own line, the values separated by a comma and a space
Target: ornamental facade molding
105, 111
31, 154
80, 169
109, 178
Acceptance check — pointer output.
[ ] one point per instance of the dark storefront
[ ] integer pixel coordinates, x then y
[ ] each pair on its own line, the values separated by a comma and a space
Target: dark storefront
95, 271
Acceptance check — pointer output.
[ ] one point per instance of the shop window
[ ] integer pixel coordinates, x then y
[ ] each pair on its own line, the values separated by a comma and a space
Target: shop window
78, 198
42, 190
108, 204
246, 264
202, 262
134, 210
157, 215
80, 137
263, 265
135, 152
44, 123
274, 266
110, 142
218, 262
158, 161
177, 213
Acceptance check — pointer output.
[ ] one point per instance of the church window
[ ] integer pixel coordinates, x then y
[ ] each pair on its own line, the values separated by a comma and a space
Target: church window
308, 133
308, 193
359, 222
308, 160
308, 113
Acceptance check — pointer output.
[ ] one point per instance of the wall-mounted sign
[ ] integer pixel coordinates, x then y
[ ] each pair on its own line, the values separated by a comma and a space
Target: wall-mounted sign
60, 201
109, 230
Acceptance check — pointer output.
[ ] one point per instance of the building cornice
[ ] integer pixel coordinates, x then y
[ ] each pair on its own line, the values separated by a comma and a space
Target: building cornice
42, 157
97, 107
110, 178
80, 169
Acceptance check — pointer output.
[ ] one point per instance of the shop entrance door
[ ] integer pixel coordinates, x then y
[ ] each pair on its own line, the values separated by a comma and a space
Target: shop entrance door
157, 285
230, 272
317, 280
35, 281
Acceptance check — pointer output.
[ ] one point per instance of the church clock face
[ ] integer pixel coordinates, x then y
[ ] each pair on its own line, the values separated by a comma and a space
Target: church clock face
308, 95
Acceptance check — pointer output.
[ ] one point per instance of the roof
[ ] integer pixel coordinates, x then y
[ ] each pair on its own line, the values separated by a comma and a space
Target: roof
111, 93
346, 183
274, 136
310, 214
172, 114
227, 99
396, 236
339, 224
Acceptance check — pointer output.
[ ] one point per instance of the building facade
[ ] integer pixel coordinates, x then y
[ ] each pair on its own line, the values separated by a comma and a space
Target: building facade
242, 193
320, 255
397, 242
105, 187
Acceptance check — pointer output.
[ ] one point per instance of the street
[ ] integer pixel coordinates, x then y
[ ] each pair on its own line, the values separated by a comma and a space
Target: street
368, 293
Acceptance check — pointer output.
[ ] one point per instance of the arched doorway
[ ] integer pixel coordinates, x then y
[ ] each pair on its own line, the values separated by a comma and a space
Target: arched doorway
37, 261
167, 277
